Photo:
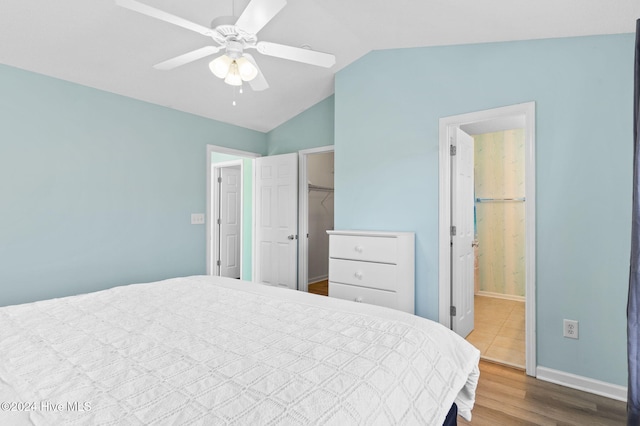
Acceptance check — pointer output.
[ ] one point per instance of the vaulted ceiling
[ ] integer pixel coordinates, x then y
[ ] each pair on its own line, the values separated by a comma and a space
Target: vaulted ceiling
98, 44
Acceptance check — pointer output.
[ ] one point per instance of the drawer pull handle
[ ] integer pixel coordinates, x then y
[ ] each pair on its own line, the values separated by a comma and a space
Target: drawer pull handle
359, 249
358, 299
358, 275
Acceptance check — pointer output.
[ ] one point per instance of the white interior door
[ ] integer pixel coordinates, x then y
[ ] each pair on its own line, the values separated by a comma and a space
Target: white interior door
230, 221
462, 251
276, 190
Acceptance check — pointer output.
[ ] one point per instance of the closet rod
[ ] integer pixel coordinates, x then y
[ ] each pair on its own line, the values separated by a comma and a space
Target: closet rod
320, 188
498, 200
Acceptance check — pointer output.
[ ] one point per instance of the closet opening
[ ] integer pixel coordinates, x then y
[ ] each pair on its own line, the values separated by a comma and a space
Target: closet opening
316, 217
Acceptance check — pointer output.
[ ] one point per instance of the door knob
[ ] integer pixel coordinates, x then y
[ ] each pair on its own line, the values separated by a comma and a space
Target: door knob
291, 237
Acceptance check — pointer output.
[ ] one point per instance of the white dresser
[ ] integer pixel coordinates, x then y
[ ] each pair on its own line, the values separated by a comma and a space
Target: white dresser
373, 267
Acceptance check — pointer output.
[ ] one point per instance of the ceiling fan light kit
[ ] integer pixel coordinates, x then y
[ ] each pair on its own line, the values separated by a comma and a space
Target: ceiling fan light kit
235, 66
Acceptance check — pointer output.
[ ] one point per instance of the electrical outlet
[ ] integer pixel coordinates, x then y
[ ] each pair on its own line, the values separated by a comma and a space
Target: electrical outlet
197, 218
570, 329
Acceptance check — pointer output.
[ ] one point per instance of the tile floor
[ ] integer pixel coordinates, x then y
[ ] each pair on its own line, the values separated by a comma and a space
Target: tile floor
499, 330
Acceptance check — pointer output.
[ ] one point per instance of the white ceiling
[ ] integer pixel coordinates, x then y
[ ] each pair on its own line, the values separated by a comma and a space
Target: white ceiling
98, 44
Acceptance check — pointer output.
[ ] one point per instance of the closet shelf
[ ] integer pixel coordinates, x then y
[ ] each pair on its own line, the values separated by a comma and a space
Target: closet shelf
320, 188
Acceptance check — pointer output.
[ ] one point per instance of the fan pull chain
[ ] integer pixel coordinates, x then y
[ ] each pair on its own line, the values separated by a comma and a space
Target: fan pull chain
240, 91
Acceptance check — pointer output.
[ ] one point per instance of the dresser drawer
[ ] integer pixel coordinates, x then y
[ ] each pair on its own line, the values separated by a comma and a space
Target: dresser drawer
365, 274
356, 247
363, 294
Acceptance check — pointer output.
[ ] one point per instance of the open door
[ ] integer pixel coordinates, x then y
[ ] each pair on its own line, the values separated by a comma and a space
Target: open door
462, 233
276, 218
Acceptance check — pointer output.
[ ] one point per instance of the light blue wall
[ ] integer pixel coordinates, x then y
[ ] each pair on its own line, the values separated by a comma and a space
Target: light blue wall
311, 128
247, 209
386, 171
97, 190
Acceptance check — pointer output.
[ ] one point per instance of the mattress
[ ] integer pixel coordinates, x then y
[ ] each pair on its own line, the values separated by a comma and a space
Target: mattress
207, 350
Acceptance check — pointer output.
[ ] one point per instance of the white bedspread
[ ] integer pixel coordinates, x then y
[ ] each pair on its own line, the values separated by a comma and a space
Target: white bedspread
206, 350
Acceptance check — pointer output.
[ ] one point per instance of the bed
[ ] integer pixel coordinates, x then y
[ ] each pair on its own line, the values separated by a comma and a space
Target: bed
207, 350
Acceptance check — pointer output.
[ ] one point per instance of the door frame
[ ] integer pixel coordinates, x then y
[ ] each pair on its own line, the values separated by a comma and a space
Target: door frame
215, 236
209, 208
447, 125
303, 214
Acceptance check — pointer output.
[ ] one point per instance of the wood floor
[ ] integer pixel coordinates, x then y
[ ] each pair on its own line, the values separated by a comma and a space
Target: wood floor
507, 396
321, 288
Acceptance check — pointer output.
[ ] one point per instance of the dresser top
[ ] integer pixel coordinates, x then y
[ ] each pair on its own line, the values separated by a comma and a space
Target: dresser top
385, 234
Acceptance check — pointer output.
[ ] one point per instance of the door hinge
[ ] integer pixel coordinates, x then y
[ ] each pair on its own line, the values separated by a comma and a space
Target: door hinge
453, 231
217, 262
452, 149
219, 179
218, 221
452, 311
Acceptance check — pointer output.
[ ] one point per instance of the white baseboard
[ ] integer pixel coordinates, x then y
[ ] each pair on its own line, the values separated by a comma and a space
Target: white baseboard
318, 279
586, 384
501, 296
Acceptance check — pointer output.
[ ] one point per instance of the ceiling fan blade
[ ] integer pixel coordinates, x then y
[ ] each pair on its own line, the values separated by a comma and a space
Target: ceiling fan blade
194, 55
296, 54
163, 16
259, 83
258, 13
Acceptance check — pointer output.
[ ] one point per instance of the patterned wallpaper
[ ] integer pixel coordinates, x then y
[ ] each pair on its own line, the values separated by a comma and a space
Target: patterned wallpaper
500, 224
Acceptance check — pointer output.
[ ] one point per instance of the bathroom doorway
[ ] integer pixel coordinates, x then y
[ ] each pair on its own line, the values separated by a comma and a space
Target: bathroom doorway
456, 301
499, 250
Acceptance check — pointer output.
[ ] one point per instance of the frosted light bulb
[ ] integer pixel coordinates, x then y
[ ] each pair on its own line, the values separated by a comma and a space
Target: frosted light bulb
248, 71
220, 66
233, 77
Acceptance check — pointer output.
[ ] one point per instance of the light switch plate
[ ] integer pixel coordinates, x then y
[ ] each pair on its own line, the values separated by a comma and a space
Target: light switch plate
197, 218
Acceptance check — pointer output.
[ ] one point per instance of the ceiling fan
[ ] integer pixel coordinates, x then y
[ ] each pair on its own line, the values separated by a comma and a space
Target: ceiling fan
234, 37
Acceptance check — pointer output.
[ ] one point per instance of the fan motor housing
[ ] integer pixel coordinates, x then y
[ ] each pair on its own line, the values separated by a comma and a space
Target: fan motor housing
225, 30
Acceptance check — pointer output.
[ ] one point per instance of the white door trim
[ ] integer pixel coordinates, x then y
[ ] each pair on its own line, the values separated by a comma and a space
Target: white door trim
209, 208
447, 126
215, 243
303, 214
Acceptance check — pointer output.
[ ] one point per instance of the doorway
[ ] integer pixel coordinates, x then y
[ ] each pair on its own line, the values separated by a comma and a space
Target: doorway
316, 216
222, 158
499, 233
457, 295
